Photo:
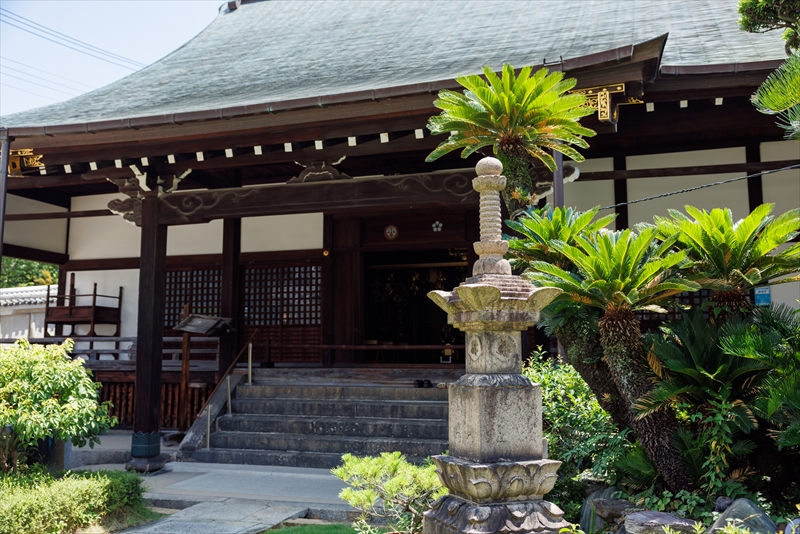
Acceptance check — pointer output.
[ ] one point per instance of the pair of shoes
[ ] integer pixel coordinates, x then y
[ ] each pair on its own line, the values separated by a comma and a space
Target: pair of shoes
422, 384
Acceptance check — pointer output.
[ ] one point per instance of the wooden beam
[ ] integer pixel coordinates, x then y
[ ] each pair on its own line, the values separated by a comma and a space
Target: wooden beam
58, 215
195, 260
34, 254
64, 180
749, 168
150, 333
442, 189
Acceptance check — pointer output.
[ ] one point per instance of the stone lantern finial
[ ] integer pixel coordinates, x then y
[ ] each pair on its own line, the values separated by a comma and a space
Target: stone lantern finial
491, 248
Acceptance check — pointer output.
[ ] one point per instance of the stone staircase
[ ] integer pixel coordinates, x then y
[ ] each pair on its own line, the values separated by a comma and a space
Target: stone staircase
310, 417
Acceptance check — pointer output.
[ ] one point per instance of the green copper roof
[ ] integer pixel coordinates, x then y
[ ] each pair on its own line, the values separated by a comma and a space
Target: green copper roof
278, 50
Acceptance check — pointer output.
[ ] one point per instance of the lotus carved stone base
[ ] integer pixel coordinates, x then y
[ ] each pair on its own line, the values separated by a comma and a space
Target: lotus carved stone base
500, 481
451, 515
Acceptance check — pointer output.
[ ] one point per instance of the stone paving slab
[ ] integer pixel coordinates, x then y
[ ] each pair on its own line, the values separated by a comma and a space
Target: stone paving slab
232, 516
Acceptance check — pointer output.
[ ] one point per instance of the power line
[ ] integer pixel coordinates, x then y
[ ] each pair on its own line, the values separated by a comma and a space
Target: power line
3, 58
39, 78
29, 92
40, 85
689, 189
41, 27
67, 46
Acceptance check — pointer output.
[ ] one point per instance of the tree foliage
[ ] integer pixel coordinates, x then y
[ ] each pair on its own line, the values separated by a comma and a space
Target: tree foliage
521, 116
46, 394
780, 94
20, 273
759, 16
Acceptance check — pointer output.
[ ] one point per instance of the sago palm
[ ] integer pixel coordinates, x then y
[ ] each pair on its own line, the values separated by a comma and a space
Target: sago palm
575, 328
620, 273
780, 94
523, 117
537, 228
773, 340
693, 369
732, 257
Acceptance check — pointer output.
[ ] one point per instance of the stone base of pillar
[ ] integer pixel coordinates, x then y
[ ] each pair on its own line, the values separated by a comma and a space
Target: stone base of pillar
146, 444
145, 465
452, 515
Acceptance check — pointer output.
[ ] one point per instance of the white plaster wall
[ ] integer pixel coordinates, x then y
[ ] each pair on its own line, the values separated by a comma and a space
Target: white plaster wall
733, 195
50, 235
586, 195
108, 283
781, 188
194, 239
92, 238
282, 232
24, 321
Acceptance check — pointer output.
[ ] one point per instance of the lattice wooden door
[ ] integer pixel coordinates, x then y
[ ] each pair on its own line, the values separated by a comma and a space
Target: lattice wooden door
285, 304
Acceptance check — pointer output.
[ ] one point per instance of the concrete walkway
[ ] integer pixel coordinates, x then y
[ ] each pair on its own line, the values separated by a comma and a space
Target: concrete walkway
228, 498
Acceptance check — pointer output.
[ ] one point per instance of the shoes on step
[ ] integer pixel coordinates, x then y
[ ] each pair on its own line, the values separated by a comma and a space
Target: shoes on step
427, 384
419, 384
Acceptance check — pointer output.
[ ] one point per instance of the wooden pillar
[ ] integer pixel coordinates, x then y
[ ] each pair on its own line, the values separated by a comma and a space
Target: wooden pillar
348, 283
621, 195
558, 180
755, 186
146, 443
328, 306
231, 298
5, 151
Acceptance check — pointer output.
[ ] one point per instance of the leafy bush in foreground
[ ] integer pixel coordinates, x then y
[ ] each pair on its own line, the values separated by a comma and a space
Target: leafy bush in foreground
390, 487
44, 393
33, 502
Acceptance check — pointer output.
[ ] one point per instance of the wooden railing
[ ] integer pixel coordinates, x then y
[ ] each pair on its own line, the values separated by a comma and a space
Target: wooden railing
127, 346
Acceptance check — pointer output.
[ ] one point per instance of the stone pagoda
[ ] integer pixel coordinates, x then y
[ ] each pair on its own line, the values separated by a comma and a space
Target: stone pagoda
498, 471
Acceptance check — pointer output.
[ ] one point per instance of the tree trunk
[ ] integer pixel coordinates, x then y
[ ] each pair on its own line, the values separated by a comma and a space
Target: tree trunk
620, 336
730, 303
581, 341
515, 169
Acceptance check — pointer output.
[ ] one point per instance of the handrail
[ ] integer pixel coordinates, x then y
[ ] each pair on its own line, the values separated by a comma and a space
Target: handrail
68, 296
227, 372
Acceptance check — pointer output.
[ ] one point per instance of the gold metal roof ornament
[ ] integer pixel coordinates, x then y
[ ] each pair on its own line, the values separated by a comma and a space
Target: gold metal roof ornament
21, 160
603, 100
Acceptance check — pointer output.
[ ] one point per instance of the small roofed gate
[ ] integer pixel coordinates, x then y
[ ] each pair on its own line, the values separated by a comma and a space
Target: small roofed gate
282, 306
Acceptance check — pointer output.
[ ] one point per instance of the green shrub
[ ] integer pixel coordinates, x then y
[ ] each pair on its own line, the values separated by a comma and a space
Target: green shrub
33, 502
390, 487
44, 393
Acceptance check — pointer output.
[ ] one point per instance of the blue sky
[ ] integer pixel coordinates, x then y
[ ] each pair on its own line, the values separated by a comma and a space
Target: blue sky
35, 72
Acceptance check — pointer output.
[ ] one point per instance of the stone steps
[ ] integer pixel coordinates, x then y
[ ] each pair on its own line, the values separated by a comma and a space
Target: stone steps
371, 408
339, 426
311, 417
359, 445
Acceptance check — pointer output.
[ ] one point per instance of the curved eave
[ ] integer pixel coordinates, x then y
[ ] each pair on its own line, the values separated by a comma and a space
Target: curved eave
648, 51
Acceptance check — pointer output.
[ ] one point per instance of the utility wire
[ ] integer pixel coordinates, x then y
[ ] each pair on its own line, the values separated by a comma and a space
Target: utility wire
38, 78
39, 84
58, 35
3, 58
67, 46
29, 92
687, 190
